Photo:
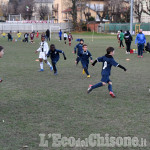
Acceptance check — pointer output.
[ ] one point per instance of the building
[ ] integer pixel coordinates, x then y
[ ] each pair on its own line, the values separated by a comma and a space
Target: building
62, 10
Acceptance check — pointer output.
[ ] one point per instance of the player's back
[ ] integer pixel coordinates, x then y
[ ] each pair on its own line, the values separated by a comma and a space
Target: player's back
108, 62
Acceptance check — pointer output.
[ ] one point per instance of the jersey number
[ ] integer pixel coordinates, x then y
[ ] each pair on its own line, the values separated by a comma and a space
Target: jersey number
105, 65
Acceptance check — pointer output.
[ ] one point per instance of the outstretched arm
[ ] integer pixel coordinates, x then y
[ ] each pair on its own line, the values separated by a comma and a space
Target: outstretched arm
122, 67
93, 64
100, 59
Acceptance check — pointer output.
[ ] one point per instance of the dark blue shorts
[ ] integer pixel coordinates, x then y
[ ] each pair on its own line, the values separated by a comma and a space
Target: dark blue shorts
105, 79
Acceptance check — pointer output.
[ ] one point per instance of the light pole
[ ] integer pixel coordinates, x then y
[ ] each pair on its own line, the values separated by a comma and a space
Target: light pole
131, 17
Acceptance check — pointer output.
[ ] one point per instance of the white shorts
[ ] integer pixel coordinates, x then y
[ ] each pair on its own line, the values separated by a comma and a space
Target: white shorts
42, 56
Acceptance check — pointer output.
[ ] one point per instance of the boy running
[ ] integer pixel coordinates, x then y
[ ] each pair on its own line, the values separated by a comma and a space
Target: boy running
1, 55
32, 37
84, 56
65, 37
79, 47
70, 38
54, 56
43, 49
108, 62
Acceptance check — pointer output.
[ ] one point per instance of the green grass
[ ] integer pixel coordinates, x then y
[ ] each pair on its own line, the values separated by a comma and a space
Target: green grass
32, 102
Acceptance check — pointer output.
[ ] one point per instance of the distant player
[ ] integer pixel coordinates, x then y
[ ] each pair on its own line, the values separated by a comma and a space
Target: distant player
54, 56
26, 37
65, 37
84, 56
1, 55
32, 37
79, 47
108, 61
43, 50
37, 34
60, 35
70, 38
19, 36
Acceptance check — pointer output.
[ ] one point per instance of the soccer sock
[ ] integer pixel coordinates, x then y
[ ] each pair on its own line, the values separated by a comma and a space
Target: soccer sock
86, 71
97, 85
41, 65
110, 88
48, 63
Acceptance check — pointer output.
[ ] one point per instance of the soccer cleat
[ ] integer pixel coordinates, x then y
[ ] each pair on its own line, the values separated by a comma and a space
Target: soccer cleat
112, 94
88, 76
55, 73
1, 80
41, 70
89, 89
51, 68
123, 47
83, 72
138, 56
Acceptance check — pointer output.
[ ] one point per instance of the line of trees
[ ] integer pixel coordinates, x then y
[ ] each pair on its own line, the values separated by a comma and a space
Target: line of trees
113, 10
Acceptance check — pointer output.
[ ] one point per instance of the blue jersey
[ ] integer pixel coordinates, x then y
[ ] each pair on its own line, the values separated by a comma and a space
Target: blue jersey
140, 39
108, 62
84, 56
79, 47
60, 34
54, 55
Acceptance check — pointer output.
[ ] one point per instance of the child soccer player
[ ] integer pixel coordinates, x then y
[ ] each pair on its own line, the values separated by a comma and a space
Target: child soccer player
79, 47
1, 55
54, 55
108, 61
19, 36
70, 38
60, 35
65, 37
43, 49
84, 56
37, 34
32, 37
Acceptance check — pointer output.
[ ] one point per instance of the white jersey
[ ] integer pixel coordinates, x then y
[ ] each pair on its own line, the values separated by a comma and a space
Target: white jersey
65, 35
43, 49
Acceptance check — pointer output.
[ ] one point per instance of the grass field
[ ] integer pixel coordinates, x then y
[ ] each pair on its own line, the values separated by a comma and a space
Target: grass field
34, 102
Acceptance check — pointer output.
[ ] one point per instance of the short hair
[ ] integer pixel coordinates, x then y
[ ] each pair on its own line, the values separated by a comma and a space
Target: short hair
52, 45
81, 40
109, 50
1, 48
84, 45
120, 30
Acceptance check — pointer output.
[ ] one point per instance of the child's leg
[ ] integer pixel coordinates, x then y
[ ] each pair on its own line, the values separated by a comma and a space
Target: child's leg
54, 66
98, 85
85, 68
48, 63
41, 63
110, 86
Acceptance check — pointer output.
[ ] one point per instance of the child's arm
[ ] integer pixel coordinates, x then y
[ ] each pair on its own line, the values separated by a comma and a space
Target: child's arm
59, 51
99, 59
75, 49
122, 67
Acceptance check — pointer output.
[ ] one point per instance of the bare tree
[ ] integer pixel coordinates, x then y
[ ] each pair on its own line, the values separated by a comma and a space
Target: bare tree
43, 11
26, 8
14, 4
6, 10
147, 10
138, 9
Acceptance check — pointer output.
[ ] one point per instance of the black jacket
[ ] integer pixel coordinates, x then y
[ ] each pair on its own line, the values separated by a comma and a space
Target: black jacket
128, 37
